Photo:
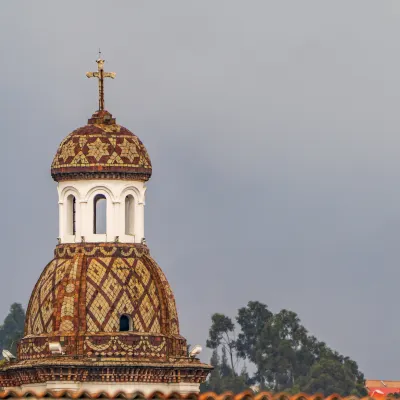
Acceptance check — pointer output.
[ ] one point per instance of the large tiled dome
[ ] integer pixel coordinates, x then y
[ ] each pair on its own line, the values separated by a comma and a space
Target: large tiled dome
82, 295
101, 149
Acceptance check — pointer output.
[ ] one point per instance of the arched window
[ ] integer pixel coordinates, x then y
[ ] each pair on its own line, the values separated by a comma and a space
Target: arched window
129, 215
71, 215
125, 323
100, 214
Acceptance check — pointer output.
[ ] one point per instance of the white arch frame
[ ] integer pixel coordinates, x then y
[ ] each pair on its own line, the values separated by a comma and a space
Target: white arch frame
129, 214
64, 228
99, 190
97, 199
130, 189
70, 212
90, 212
138, 213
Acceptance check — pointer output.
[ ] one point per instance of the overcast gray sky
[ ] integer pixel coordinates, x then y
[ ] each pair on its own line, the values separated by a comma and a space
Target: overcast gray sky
274, 132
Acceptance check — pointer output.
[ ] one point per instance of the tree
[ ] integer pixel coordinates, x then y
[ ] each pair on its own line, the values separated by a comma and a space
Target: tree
334, 375
221, 378
253, 320
12, 329
285, 356
222, 333
214, 382
275, 343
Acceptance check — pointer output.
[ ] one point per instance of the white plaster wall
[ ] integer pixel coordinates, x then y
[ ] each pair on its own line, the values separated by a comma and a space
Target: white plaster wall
113, 388
115, 192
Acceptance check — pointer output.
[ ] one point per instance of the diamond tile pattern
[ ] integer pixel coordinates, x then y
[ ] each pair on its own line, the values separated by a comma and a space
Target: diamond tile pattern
119, 286
40, 317
87, 288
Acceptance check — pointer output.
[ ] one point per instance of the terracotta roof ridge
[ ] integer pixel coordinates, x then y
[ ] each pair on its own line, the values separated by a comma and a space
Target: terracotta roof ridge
245, 395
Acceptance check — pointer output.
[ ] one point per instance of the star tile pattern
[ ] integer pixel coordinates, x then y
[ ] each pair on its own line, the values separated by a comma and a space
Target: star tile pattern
82, 294
99, 150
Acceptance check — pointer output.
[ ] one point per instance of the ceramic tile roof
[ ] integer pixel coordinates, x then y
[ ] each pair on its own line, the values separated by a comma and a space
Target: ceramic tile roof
89, 286
101, 149
247, 395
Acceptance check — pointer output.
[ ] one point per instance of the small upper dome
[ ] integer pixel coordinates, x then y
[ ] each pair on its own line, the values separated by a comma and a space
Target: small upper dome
101, 149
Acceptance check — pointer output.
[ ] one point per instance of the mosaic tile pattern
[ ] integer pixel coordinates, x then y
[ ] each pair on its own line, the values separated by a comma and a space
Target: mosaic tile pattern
85, 290
135, 345
41, 318
117, 286
99, 149
154, 347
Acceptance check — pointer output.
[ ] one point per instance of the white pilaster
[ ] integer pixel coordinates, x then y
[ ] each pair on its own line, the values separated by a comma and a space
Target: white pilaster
83, 221
139, 226
61, 213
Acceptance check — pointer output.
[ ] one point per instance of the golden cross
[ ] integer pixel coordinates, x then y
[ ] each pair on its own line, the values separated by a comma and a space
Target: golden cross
100, 75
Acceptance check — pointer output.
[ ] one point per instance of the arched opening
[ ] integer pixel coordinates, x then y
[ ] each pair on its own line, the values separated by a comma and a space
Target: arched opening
71, 215
125, 323
100, 214
129, 215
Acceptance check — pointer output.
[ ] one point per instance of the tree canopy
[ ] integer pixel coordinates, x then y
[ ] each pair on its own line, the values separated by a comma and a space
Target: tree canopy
283, 355
12, 329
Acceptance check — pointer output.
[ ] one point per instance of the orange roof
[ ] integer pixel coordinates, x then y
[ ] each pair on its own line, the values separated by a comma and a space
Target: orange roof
381, 383
247, 395
381, 392
380, 389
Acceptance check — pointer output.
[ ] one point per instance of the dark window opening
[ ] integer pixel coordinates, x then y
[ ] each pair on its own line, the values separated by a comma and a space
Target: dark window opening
74, 216
129, 215
71, 215
124, 323
100, 214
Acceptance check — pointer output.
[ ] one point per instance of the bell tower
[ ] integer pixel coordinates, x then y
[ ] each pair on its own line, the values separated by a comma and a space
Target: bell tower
102, 316
101, 170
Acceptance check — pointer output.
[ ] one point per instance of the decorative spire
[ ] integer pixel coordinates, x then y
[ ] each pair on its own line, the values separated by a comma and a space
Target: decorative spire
100, 75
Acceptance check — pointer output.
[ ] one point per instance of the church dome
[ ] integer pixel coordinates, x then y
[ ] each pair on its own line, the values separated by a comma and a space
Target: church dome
102, 315
101, 149
88, 292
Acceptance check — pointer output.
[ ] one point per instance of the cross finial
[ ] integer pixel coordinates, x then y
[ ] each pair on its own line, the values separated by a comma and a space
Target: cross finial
100, 75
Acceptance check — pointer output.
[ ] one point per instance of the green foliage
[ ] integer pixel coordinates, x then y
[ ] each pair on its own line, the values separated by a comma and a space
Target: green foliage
12, 329
285, 357
221, 378
221, 333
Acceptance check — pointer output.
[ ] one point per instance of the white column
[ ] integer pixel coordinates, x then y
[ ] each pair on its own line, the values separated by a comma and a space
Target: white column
139, 222
61, 218
86, 225
117, 225
78, 220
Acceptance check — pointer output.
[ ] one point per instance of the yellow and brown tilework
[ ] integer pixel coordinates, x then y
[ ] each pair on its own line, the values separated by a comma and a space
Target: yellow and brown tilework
101, 150
82, 294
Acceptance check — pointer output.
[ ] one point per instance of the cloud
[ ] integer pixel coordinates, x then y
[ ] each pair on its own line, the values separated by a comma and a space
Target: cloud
273, 131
